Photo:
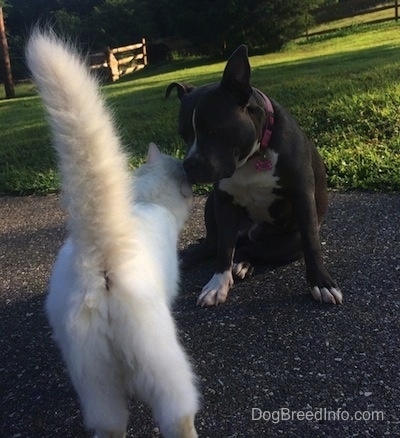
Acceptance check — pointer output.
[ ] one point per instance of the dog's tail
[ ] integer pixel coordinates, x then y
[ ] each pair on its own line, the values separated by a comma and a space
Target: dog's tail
96, 182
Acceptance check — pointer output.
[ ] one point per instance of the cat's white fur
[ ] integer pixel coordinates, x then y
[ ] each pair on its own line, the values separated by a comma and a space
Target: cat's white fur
116, 275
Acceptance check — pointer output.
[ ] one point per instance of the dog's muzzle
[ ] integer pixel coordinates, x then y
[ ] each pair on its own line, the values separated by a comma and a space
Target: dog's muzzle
202, 170
198, 170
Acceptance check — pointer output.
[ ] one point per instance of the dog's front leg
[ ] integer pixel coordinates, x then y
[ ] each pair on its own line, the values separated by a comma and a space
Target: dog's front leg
227, 219
323, 287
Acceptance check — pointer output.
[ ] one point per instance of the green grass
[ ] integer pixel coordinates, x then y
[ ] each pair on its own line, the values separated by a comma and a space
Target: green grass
343, 88
387, 14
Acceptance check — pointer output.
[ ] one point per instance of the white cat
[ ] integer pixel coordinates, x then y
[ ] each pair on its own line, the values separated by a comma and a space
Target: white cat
117, 273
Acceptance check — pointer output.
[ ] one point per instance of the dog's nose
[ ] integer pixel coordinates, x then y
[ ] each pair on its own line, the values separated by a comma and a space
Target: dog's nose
194, 169
191, 167
190, 164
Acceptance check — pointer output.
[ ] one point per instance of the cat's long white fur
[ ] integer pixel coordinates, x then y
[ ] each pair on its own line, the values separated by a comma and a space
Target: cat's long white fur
96, 198
115, 276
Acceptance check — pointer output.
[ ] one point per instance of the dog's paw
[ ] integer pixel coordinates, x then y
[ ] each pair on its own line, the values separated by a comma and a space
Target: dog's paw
333, 295
216, 290
242, 270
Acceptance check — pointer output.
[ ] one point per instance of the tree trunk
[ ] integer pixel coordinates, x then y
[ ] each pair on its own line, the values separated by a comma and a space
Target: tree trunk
5, 58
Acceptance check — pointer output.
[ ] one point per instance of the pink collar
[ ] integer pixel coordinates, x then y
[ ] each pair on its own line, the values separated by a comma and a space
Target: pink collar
264, 163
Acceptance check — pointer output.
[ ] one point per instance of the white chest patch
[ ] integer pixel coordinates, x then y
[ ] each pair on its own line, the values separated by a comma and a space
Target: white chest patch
253, 189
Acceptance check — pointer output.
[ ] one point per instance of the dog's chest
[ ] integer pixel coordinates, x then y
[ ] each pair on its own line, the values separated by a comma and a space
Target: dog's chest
254, 189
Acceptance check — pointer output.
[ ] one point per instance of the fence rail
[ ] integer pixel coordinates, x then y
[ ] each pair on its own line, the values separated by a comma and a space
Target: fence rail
117, 62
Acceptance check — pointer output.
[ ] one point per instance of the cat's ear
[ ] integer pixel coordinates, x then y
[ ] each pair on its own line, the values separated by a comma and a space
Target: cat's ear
153, 154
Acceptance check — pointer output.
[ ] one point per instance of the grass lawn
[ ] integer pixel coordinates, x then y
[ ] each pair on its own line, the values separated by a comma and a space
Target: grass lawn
344, 88
387, 14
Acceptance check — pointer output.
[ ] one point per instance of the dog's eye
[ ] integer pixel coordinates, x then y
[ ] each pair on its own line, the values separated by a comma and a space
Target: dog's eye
212, 132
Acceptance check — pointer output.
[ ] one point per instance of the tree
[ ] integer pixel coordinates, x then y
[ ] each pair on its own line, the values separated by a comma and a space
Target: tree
209, 26
5, 58
220, 25
120, 22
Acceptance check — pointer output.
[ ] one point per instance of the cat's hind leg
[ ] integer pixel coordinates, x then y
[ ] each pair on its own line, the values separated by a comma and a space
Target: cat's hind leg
164, 379
103, 398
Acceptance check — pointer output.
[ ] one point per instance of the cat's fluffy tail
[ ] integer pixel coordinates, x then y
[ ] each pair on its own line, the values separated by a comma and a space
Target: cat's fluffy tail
96, 182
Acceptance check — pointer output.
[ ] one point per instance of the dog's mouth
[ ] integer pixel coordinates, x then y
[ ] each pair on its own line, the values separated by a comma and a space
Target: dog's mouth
202, 179
199, 172
242, 160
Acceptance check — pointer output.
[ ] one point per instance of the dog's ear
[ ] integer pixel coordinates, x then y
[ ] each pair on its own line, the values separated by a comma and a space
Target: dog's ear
236, 77
181, 88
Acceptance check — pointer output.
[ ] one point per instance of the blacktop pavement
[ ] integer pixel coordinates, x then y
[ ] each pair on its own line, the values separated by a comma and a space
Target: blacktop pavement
270, 362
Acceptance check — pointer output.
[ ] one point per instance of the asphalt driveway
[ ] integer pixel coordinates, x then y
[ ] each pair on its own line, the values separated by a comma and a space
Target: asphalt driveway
271, 362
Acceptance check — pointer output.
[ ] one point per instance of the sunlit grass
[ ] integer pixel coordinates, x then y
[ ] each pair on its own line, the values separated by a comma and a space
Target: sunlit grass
387, 14
343, 89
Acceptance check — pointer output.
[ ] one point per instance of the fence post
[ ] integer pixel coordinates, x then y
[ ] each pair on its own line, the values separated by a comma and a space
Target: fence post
5, 58
112, 64
396, 10
144, 51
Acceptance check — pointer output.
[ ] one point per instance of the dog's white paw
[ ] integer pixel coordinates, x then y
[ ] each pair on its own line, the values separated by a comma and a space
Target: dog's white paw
242, 270
216, 290
332, 295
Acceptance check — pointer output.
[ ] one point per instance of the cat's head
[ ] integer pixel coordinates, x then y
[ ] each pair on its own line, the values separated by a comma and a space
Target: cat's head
162, 180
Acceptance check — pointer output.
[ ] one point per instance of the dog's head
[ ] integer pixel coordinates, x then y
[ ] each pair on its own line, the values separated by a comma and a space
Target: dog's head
220, 127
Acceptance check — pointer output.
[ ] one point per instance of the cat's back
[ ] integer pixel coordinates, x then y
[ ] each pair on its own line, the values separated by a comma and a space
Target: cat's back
156, 241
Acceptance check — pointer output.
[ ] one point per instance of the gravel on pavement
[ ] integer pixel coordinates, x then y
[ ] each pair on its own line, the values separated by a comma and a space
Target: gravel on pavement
270, 362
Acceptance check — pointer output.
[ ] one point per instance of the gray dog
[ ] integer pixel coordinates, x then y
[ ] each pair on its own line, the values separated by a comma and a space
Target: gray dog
270, 191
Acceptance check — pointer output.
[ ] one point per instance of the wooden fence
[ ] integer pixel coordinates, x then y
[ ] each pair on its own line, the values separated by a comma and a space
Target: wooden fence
115, 63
